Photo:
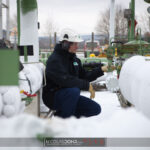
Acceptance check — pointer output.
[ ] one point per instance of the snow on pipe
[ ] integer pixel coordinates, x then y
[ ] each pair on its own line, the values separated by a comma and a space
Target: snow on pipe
31, 78
10, 101
10, 98
134, 82
111, 81
34, 73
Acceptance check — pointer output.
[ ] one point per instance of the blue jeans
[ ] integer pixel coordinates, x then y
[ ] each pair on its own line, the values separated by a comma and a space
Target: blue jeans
68, 102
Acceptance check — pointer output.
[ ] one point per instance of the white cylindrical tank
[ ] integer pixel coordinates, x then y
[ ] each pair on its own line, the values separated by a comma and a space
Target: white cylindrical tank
134, 82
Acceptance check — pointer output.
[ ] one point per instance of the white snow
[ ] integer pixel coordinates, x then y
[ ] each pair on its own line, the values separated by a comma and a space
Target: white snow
110, 80
4, 89
10, 97
134, 83
34, 73
113, 121
10, 101
112, 83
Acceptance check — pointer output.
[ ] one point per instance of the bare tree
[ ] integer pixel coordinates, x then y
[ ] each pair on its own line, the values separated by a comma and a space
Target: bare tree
102, 26
144, 22
50, 28
121, 22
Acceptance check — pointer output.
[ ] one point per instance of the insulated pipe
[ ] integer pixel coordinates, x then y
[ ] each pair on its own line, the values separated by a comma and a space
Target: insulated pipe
28, 29
1, 21
112, 20
134, 82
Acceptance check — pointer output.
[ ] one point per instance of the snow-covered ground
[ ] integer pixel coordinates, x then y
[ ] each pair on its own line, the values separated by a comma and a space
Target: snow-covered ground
113, 121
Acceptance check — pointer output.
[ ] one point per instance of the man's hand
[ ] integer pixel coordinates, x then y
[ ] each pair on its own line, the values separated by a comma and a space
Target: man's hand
92, 92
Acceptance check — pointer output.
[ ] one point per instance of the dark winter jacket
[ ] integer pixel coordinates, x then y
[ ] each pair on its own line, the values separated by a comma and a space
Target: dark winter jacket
64, 70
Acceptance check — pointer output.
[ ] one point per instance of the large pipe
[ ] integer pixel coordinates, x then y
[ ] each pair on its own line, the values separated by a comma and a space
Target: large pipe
132, 19
134, 83
55, 38
28, 29
7, 20
1, 21
92, 42
112, 20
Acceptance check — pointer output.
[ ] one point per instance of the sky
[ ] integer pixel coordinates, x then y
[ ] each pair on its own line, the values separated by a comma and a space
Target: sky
79, 15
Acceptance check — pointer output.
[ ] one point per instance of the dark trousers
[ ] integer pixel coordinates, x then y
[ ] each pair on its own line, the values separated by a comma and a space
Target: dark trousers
68, 102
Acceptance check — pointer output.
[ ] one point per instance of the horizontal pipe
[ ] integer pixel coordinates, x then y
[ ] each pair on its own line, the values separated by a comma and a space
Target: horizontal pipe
134, 83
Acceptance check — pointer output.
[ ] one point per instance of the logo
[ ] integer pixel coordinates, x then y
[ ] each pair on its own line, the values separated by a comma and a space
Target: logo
75, 63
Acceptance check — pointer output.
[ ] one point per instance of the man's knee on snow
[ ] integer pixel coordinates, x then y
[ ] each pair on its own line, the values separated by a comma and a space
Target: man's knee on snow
97, 109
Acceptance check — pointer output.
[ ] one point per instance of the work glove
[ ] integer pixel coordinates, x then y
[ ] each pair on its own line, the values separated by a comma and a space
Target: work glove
107, 68
92, 92
104, 68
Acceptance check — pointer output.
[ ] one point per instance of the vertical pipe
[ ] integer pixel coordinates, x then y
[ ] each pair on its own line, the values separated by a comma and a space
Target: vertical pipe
27, 27
112, 20
50, 41
7, 20
132, 19
129, 24
18, 20
129, 31
92, 42
55, 37
38, 103
149, 23
25, 54
15, 40
1, 21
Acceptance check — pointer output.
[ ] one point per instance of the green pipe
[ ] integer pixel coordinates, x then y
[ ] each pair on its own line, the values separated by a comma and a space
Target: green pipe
129, 31
18, 20
132, 19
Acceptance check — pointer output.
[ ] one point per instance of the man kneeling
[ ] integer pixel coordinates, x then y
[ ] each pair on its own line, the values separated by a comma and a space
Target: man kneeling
66, 77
